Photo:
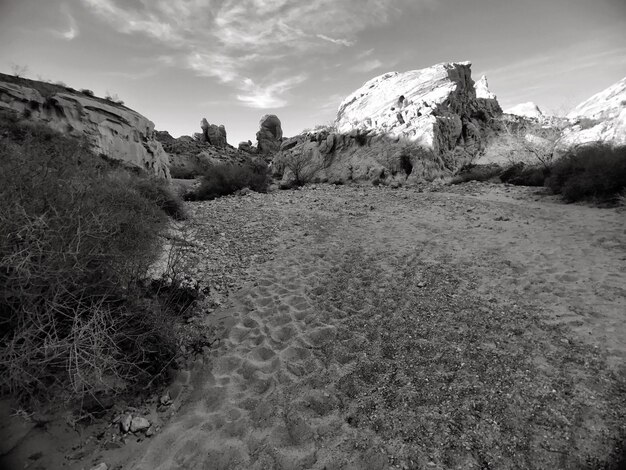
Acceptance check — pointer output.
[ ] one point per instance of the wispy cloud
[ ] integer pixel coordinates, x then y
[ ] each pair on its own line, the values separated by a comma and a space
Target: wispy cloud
367, 66
342, 42
269, 95
72, 30
240, 42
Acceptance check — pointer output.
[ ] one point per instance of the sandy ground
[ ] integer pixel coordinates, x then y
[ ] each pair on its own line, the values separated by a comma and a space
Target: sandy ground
477, 326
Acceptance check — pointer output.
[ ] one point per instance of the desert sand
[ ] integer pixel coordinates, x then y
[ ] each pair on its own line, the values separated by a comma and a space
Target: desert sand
285, 386
470, 326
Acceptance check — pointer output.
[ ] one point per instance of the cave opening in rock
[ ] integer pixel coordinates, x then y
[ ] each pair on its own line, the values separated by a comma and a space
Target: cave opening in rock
405, 164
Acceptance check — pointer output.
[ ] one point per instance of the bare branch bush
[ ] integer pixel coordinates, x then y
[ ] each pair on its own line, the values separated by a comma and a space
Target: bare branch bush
19, 70
76, 240
303, 166
529, 143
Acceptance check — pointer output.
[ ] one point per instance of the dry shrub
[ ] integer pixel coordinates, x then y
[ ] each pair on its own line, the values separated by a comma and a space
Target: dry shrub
75, 239
301, 167
222, 179
472, 172
521, 174
591, 172
161, 194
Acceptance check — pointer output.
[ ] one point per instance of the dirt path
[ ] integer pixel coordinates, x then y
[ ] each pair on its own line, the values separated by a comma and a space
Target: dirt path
476, 329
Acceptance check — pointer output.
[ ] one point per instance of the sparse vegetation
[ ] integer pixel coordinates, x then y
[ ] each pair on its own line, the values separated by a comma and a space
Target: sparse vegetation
524, 142
301, 167
76, 239
19, 70
591, 172
521, 174
222, 179
473, 172
113, 98
587, 123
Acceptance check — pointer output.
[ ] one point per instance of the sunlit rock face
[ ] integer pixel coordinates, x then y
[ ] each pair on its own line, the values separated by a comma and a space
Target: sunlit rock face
601, 118
418, 124
432, 107
112, 129
270, 135
526, 110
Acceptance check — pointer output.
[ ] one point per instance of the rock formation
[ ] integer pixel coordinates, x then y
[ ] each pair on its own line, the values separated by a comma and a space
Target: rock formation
417, 124
213, 134
246, 146
482, 89
601, 118
270, 135
425, 106
191, 157
526, 110
111, 128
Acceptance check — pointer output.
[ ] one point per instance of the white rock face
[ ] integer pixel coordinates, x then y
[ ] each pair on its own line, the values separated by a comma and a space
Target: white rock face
527, 110
416, 125
431, 107
601, 118
113, 130
482, 89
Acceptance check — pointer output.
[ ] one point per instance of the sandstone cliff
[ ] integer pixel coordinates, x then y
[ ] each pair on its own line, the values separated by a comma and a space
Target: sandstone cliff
601, 118
113, 130
417, 124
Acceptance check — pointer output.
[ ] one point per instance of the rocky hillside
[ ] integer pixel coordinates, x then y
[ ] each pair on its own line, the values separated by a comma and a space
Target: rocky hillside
417, 124
601, 118
113, 130
190, 157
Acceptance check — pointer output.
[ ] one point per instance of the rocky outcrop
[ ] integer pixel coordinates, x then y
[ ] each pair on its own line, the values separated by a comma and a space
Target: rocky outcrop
431, 107
213, 134
190, 157
526, 110
246, 147
418, 124
482, 89
270, 135
112, 129
601, 118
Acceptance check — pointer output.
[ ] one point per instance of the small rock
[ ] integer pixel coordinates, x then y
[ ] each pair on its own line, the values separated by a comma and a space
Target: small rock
125, 423
421, 284
139, 424
394, 185
100, 466
150, 431
166, 399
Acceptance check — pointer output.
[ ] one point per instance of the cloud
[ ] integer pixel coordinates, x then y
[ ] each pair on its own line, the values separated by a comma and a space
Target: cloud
72, 30
270, 95
367, 66
231, 40
342, 42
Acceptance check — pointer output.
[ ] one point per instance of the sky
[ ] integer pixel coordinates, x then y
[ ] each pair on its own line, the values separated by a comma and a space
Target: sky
232, 61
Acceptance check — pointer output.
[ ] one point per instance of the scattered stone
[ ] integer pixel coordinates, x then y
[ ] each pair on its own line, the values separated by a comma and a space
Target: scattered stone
139, 424
125, 423
166, 399
100, 466
150, 431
